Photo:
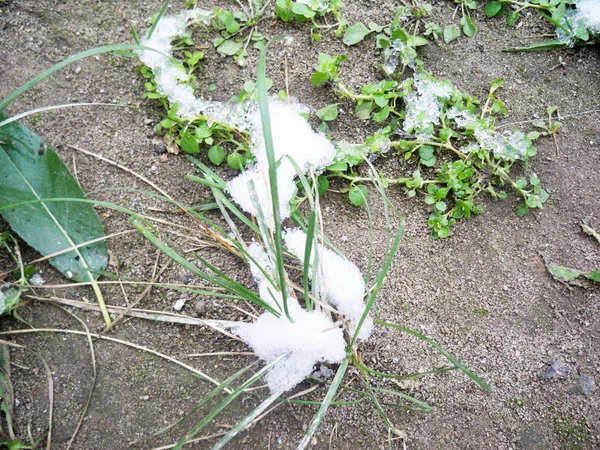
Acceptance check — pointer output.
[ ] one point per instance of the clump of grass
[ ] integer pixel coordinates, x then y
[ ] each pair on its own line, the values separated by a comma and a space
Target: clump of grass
283, 298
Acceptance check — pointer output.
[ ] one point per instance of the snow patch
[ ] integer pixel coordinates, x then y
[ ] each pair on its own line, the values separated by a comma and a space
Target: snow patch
423, 106
338, 281
310, 338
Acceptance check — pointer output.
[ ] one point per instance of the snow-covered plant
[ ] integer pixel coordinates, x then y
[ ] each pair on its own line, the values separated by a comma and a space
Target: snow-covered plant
321, 320
453, 148
577, 22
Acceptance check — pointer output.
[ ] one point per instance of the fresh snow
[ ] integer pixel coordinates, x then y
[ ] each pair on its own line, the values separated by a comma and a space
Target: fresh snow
338, 281
585, 14
311, 337
423, 107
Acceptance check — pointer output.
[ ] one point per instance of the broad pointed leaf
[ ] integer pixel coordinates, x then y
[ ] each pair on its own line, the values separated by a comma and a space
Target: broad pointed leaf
31, 170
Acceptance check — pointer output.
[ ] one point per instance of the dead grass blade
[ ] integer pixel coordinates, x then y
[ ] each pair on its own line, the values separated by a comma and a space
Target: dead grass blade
94, 378
217, 325
50, 400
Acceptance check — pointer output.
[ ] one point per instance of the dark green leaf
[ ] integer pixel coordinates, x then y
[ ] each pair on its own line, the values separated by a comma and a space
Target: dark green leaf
236, 161
467, 26
492, 8
188, 143
322, 185
216, 155
318, 78
512, 17
382, 114
523, 209
358, 195
31, 170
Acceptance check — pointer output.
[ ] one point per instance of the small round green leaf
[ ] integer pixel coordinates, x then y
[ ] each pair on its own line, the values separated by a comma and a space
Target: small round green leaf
355, 33
216, 155
318, 78
328, 113
236, 161
188, 143
443, 232
322, 185
492, 8
358, 195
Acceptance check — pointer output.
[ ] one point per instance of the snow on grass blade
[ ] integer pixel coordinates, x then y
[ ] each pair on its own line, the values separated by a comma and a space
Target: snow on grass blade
257, 376
440, 349
263, 103
335, 384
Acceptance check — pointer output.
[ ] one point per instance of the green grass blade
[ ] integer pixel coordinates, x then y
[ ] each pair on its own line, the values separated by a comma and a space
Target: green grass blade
335, 384
400, 377
234, 286
440, 349
224, 385
135, 34
41, 77
423, 406
243, 423
379, 280
160, 16
312, 220
384, 416
257, 376
218, 281
263, 103
302, 222
203, 181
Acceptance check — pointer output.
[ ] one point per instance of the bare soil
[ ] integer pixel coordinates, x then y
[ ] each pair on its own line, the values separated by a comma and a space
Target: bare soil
484, 293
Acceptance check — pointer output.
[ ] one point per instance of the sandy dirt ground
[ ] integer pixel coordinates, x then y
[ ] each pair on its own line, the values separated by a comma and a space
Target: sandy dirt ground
484, 294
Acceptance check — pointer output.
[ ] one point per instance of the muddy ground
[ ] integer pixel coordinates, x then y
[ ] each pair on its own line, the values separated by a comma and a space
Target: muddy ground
484, 293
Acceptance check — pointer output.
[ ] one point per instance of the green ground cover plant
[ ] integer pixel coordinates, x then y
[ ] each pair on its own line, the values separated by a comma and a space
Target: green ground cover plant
449, 140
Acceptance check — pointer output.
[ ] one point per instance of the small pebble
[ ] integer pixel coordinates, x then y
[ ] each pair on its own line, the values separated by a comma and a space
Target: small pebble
37, 280
187, 279
179, 304
556, 370
200, 307
586, 385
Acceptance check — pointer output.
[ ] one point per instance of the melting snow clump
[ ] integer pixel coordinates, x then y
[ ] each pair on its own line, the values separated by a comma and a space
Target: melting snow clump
423, 107
292, 138
339, 281
310, 337
585, 15
37, 280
